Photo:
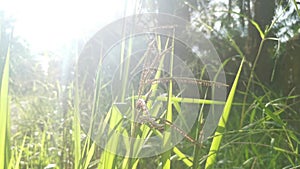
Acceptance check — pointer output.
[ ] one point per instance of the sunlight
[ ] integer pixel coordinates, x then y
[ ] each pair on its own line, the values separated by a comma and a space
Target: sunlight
53, 25
47, 25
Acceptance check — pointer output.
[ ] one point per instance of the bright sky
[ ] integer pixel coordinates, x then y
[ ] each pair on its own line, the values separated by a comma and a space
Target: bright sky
48, 24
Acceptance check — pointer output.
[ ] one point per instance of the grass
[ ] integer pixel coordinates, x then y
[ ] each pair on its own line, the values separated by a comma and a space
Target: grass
264, 141
5, 159
252, 132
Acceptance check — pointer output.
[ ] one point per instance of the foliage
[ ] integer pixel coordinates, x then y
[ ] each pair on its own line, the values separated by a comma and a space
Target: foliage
44, 103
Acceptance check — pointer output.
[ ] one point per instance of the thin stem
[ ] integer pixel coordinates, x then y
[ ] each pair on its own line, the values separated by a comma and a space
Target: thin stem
249, 82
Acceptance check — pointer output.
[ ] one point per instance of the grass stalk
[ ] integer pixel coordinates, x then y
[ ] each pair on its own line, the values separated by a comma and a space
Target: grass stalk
215, 146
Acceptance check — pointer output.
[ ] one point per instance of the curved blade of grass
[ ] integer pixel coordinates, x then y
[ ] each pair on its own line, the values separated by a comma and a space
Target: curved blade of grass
5, 116
183, 157
254, 23
222, 123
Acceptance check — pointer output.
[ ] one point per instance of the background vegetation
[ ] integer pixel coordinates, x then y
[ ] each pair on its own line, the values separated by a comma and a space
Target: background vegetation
39, 128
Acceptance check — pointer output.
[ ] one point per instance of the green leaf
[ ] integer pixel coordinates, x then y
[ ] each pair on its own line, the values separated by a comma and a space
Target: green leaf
5, 116
215, 146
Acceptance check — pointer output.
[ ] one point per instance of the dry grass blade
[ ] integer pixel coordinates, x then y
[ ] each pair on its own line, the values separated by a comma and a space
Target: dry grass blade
188, 81
148, 68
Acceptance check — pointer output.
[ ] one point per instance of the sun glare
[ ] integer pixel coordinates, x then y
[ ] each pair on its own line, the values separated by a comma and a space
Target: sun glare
51, 25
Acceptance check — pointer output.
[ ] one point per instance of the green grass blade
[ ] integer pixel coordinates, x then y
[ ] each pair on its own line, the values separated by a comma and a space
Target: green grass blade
108, 158
222, 123
5, 116
183, 156
19, 154
76, 128
256, 25
89, 156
